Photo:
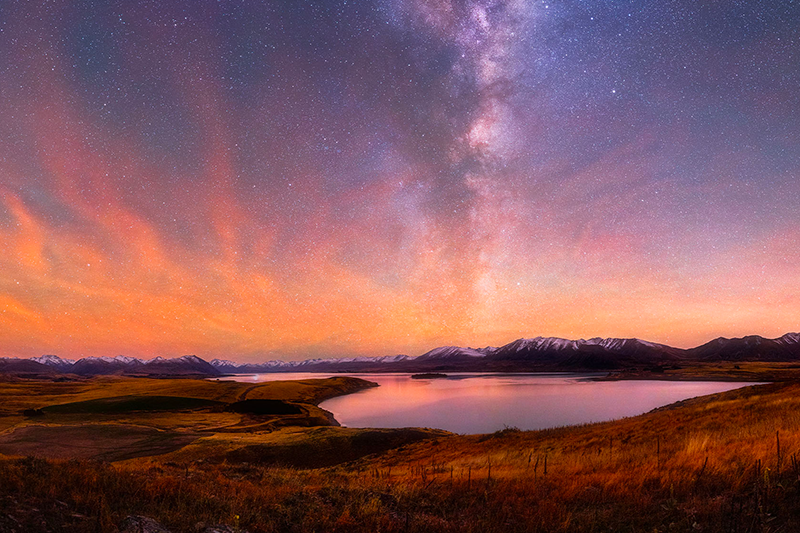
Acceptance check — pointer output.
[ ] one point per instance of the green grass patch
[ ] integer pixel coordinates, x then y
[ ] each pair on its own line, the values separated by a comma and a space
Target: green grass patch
127, 404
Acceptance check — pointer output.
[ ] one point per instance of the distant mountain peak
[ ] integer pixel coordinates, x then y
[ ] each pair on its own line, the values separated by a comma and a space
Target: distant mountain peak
218, 363
52, 360
191, 358
447, 352
524, 354
127, 360
789, 338
540, 343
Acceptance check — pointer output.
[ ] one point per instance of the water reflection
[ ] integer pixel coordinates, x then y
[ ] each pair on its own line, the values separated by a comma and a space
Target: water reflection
482, 403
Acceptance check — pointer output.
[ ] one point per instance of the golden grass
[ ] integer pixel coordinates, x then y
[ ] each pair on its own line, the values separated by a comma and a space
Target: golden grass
719, 371
722, 463
116, 433
19, 395
312, 391
16, 396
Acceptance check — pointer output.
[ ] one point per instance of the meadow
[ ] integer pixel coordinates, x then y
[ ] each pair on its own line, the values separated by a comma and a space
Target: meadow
729, 462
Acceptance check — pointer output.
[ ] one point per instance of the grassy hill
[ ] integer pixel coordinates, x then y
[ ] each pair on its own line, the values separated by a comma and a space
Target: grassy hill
721, 463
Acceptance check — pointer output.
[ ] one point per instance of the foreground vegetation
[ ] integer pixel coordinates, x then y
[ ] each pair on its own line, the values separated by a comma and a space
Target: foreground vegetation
722, 463
113, 418
714, 371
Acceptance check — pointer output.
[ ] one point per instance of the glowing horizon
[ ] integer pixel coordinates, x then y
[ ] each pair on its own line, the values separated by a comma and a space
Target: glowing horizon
330, 179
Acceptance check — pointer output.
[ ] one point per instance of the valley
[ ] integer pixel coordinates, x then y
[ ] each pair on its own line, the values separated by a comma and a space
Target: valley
94, 451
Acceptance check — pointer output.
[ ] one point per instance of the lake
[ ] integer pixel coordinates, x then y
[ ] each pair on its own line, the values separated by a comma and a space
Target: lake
483, 403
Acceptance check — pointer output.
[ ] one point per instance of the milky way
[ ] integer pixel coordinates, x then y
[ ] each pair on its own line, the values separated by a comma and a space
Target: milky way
256, 180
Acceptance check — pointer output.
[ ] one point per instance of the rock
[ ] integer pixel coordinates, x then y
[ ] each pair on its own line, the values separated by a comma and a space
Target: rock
141, 524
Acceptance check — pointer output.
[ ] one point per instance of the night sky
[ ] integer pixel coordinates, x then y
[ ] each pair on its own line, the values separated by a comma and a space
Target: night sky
256, 180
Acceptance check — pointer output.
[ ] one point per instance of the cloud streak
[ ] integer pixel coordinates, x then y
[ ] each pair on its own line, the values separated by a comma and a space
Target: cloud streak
328, 178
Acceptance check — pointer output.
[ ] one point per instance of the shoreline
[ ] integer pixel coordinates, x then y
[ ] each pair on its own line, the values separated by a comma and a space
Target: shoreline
749, 372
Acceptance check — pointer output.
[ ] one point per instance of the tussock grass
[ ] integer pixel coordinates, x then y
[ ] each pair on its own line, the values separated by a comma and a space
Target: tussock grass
724, 463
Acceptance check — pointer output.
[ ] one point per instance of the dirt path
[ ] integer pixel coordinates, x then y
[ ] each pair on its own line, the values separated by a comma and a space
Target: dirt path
245, 392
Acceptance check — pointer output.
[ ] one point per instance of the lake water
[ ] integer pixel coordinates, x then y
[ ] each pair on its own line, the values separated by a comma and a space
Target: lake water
483, 403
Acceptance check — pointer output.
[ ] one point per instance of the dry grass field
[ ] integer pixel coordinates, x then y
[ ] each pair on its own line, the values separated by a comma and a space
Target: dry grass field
729, 462
119, 418
717, 371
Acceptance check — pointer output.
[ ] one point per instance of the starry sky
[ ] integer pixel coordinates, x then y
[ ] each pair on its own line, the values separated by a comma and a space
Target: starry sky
291, 179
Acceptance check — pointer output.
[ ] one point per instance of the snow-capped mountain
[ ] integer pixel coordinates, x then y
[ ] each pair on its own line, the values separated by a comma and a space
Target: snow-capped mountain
541, 343
750, 348
527, 354
125, 360
94, 366
54, 361
188, 364
592, 354
15, 365
561, 345
452, 352
540, 353
392, 358
340, 364
789, 339
122, 364
224, 365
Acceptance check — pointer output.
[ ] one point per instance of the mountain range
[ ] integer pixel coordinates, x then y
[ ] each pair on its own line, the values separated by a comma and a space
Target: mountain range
536, 354
188, 365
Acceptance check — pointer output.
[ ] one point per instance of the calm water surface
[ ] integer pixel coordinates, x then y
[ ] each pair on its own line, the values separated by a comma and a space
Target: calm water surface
483, 403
